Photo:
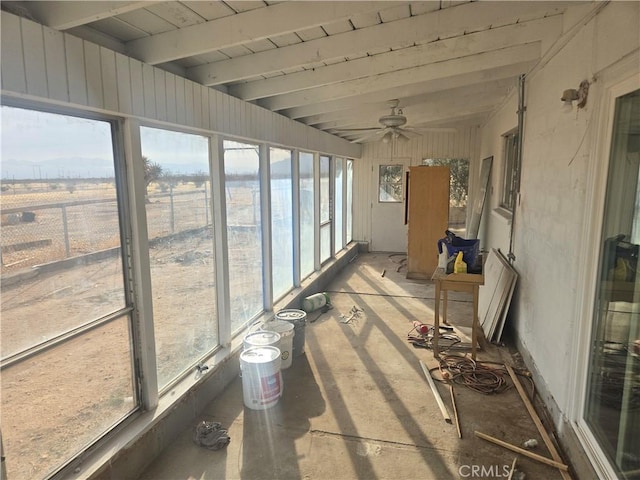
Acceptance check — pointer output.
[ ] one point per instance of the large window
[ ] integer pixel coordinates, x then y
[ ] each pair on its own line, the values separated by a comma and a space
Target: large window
67, 359
349, 206
244, 231
339, 204
325, 208
181, 248
511, 174
307, 209
613, 399
77, 333
281, 221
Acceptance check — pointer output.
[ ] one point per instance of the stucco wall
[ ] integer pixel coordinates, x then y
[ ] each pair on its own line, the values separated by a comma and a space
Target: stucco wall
551, 212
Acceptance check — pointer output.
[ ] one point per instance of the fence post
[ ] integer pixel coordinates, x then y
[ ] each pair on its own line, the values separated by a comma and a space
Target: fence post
171, 202
65, 228
206, 205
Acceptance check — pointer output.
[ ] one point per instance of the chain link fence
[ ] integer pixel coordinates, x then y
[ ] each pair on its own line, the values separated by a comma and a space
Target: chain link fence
43, 224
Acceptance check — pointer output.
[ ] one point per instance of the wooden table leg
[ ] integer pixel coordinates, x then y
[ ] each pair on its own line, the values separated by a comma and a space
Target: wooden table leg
436, 321
445, 300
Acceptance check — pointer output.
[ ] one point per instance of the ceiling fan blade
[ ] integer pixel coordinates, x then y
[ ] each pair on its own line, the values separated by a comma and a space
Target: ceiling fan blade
431, 129
369, 129
365, 138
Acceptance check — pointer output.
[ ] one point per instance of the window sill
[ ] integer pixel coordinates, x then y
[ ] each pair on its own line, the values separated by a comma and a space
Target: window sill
131, 446
503, 214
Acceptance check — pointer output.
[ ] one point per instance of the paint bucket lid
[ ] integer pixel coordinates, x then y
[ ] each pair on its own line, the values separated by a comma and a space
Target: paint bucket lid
291, 315
281, 326
260, 355
262, 338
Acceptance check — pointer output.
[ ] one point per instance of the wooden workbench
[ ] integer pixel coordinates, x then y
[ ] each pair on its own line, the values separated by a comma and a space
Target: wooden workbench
456, 282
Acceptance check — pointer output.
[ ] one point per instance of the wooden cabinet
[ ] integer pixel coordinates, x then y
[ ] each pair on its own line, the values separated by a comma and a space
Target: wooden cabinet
427, 218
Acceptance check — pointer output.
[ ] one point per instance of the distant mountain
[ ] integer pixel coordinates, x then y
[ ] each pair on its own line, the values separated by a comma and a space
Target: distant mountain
75, 167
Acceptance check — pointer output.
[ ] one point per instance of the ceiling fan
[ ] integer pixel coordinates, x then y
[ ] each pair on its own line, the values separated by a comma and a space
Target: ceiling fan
393, 127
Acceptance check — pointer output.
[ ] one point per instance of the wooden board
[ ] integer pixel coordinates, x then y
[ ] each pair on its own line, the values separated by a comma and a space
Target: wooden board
478, 205
495, 295
428, 218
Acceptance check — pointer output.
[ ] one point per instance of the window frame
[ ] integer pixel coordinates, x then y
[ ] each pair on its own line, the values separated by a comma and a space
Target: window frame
399, 183
511, 171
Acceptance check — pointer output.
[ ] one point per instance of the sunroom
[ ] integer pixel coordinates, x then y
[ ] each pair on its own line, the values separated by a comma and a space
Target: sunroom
175, 173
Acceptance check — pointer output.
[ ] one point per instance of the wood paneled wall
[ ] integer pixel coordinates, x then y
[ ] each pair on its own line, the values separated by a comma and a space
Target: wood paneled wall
465, 143
41, 63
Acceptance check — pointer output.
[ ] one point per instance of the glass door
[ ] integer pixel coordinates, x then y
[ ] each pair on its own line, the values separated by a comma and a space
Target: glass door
612, 408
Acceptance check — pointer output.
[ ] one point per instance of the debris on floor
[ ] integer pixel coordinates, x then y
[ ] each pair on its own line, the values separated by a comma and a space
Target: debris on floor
421, 336
353, 314
211, 435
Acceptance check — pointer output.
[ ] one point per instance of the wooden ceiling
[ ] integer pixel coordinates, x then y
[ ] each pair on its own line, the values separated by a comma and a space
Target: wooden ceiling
333, 65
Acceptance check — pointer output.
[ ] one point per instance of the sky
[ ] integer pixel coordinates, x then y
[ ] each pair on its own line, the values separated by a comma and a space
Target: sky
40, 145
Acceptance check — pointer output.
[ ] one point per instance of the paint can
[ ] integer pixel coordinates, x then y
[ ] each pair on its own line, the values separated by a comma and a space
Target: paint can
261, 377
286, 331
315, 302
261, 338
299, 320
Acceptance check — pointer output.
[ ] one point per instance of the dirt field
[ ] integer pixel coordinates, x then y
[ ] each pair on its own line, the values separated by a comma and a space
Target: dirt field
56, 402
63, 398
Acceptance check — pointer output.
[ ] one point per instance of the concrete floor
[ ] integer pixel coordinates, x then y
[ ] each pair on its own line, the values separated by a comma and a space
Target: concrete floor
357, 405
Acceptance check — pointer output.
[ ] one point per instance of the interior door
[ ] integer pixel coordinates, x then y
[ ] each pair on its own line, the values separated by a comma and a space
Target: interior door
388, 229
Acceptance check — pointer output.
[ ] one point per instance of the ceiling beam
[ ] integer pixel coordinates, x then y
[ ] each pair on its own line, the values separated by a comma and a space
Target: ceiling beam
62, 15
257, 24
371, 112
428, 27
482, 61
439, 51
466, 79
434, 110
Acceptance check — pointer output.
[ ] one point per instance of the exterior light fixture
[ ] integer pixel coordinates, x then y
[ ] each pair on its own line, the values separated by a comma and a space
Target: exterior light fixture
580, 95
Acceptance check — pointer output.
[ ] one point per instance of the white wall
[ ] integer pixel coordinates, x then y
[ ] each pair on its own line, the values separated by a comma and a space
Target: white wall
41, 63
551, 213
462, 144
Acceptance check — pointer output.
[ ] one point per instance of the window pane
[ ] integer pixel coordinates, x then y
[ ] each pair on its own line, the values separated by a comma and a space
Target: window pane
325, 242
511, 171
244, 231
307, 196
58, 203
349, 200
181, 249
281, 221
56, 403
61, 269
325, 209
613, 400
325, 205
390, 181
338, 209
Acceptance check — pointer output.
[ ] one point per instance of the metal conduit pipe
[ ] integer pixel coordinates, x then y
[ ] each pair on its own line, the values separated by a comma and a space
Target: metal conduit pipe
521, 109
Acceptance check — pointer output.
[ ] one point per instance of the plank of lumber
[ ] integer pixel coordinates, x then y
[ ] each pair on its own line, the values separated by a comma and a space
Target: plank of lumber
443, 409
455, 410
522, 451
536, 420
513, 468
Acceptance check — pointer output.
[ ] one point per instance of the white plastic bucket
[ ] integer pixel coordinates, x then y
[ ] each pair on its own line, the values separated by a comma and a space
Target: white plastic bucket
261, 338
261, 377
299, 320
286, 331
